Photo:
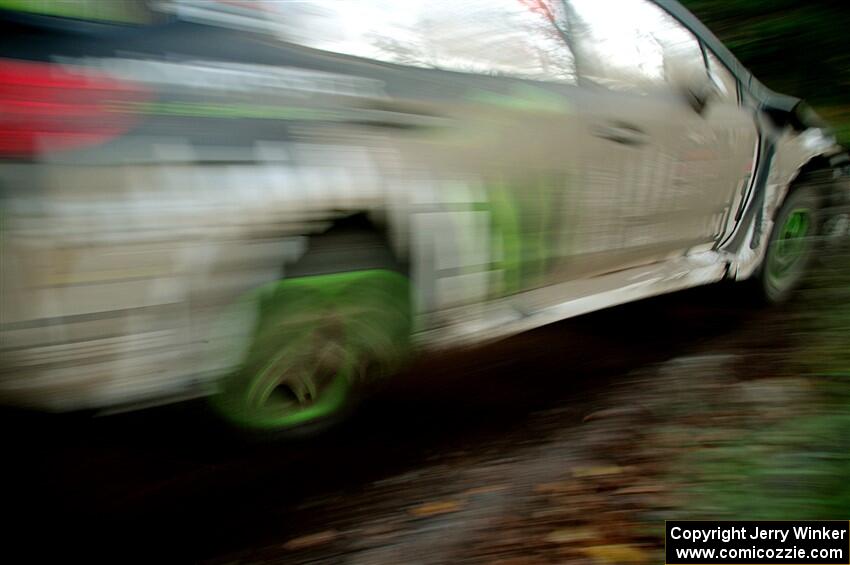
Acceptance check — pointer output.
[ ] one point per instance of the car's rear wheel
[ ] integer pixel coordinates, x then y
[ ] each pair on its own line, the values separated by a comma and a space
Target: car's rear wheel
791, 245
317, 338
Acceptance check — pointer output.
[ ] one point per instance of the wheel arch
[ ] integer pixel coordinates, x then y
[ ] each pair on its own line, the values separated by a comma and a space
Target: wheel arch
794, 166
352, 240
816, 171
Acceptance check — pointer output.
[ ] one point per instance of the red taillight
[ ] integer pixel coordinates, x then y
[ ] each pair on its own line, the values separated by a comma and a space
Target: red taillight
47, 107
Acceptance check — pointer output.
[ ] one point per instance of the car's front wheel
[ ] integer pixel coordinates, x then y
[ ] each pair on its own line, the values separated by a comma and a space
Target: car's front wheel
791, 245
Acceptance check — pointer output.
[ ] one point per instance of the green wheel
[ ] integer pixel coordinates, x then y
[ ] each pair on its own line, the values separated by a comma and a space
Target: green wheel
791, 245
317, 338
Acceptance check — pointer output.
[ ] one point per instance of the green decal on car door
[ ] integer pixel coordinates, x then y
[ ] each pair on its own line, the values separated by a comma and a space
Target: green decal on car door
524, 231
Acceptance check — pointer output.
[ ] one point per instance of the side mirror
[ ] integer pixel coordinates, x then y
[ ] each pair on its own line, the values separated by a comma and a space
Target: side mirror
701, 92
696, 85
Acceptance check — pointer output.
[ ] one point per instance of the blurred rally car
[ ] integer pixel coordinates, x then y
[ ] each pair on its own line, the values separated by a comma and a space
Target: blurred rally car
274, 203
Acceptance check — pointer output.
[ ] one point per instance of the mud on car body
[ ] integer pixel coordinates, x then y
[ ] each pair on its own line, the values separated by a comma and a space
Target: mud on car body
274, 203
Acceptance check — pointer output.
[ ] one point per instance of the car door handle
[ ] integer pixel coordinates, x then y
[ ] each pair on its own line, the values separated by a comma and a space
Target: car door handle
395, 115
625, 134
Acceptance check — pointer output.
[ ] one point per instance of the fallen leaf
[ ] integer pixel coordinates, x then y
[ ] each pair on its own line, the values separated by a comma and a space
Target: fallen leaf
434, 508
558, 487
517, 561
640, 489
618, 554
570, 535
597, 471
311, 540
485, 489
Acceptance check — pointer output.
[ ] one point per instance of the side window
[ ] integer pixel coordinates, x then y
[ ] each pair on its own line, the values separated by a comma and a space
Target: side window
373, 29
631, 45
518, 38
515, 38
724, 79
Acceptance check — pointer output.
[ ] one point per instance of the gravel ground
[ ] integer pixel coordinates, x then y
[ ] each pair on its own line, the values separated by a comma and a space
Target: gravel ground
557, 446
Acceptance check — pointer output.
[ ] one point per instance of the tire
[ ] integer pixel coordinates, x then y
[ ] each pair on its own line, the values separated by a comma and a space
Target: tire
318, 338
791, 246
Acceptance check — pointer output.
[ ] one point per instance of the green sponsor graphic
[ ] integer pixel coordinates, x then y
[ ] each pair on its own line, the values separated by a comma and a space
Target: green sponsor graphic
524, 226
507, 235
524, 98
120, 11
228, 110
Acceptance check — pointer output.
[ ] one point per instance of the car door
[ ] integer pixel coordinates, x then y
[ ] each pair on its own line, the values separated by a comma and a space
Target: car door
475, 186
513, 151
650, 186
732, 130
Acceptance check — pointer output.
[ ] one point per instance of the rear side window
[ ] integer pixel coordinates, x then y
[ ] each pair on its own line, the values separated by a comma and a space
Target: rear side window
513, 38
502, 37
630, 45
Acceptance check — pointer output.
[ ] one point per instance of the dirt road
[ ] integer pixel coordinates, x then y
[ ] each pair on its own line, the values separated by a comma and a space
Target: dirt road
546, 448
